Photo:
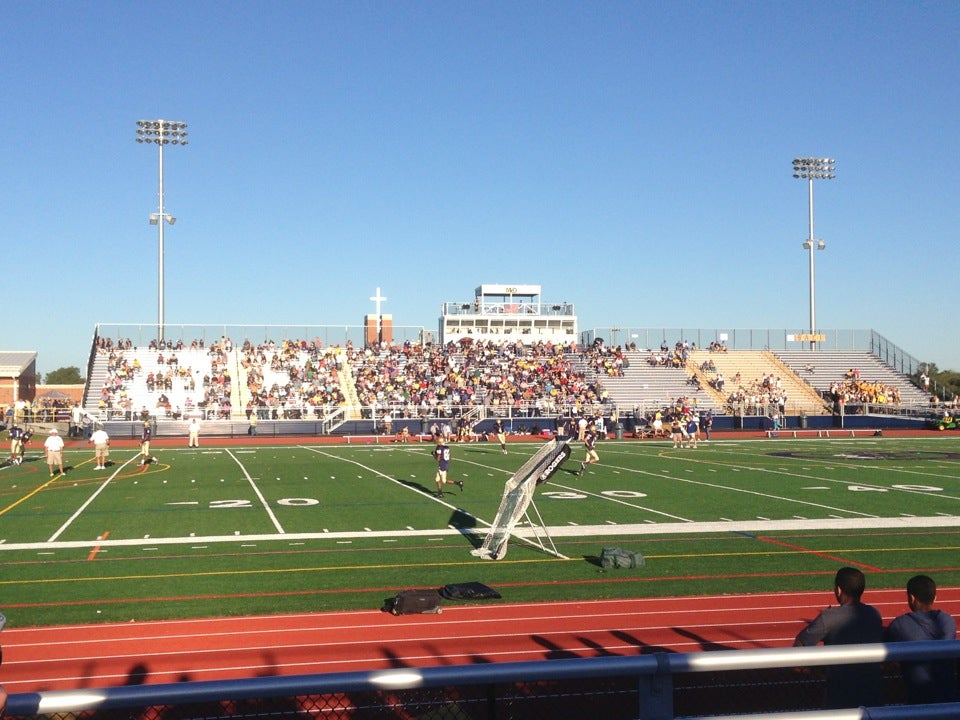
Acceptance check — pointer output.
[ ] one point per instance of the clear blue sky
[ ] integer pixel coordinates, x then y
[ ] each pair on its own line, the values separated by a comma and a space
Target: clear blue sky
633, 158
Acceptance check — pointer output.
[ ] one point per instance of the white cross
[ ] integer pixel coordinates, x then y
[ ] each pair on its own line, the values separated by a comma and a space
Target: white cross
378, 299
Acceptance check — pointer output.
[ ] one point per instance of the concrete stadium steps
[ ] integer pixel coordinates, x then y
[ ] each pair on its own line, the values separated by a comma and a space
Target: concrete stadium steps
752, 366
795, 386
95, 381
237, 409
241, 388
830, 366
348, 386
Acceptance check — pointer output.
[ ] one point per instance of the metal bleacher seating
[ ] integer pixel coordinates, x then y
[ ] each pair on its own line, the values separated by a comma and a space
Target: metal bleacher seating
821, 368
649, 386
135, 393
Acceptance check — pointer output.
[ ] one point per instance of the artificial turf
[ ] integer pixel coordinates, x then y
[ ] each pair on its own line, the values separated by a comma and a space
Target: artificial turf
280, 528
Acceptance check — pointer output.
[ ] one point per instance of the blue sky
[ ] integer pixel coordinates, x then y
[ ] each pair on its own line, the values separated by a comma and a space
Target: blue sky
633, 158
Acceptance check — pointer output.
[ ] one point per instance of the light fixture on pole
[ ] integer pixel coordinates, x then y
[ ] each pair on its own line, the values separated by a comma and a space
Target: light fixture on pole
155, 218
161, 132
811, 169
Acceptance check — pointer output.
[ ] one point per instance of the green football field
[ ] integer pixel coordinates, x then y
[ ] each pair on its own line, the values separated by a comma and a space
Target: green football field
276, 528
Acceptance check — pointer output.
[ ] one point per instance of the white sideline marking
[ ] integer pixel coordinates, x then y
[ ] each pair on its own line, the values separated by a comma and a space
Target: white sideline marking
673, 528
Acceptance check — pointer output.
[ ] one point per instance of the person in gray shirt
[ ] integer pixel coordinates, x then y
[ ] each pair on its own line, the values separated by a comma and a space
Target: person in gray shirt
850, 623
932, 681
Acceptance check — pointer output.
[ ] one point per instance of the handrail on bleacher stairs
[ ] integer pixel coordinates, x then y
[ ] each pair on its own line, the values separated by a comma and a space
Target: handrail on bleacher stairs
653, 674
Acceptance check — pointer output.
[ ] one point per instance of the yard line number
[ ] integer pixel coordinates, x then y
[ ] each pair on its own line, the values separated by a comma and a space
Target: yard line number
553, 494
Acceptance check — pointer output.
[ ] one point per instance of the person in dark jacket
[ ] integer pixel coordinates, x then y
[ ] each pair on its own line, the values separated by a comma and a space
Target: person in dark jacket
932, 681
852, 622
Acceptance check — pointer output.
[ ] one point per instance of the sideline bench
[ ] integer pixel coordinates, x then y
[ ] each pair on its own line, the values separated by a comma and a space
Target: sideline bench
825, 433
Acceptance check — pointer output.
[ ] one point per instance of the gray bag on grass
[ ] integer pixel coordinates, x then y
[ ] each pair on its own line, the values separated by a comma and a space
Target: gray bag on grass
615, 558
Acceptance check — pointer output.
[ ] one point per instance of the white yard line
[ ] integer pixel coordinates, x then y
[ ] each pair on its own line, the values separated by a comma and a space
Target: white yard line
263, 500
100, 489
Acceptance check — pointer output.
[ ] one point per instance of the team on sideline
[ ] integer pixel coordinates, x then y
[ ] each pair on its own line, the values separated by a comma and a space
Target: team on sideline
54, 445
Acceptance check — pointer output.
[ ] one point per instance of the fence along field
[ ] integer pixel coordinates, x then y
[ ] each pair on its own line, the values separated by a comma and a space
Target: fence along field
248, 529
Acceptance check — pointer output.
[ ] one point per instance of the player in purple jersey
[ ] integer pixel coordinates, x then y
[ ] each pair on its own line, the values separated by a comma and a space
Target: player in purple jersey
16, 432
145, 457
442, 455
590, 446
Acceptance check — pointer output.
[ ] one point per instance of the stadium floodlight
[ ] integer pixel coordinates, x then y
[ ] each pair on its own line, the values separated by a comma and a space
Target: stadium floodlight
811, 169
155, 218
160, 133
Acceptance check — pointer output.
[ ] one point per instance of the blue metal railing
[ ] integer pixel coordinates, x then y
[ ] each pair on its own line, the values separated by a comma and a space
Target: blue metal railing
653, 674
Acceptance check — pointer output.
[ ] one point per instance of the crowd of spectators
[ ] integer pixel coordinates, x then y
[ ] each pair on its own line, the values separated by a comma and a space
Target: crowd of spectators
42, 409
413, 380
163, 375
297, 378
761, 396
675, 357
605, 360
293, 379
286, 380
853, 390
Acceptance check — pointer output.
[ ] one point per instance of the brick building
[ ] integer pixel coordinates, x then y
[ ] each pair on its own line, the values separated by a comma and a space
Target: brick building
18, 376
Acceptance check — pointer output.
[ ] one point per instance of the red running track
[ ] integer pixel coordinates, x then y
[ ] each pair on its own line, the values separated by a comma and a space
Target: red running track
84, 656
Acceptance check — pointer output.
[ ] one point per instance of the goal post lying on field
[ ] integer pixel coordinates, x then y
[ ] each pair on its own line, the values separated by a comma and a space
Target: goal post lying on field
518, 497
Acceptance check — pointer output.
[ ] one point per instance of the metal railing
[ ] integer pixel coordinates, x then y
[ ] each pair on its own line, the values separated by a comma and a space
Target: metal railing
507, 307
772, 339
141, 334
613, 687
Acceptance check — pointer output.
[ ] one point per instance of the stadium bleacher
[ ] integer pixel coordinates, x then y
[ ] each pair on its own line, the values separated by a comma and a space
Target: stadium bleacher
825, 367
653, 387
753, 368
296, 380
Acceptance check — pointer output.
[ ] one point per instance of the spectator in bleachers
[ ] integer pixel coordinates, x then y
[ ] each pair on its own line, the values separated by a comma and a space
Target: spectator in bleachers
290, 378
864, 392
423, 380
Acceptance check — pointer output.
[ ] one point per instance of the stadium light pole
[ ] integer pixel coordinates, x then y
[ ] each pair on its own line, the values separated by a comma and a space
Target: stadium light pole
811, 169
161, 132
